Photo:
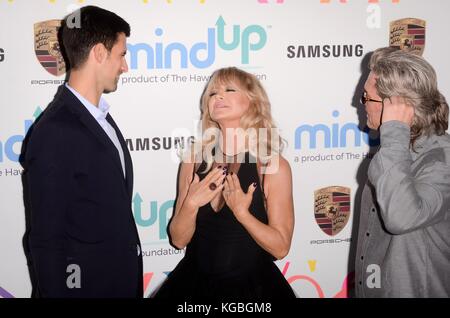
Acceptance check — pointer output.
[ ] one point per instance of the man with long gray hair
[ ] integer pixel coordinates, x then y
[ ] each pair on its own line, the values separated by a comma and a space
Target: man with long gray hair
403, 247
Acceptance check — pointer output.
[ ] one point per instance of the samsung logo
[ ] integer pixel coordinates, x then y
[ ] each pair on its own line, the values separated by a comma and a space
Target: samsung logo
325, 51
159, 143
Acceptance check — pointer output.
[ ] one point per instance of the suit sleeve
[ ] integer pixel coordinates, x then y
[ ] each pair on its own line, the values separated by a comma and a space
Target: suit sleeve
48, 180
408, 200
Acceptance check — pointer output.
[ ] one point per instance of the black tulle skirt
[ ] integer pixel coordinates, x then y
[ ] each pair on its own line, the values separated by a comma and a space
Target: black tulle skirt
186, 281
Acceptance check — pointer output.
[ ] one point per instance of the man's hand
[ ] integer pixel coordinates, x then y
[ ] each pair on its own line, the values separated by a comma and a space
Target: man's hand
396, 108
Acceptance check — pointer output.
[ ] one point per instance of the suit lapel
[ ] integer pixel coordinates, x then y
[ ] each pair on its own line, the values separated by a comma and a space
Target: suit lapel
126, 155
89, 121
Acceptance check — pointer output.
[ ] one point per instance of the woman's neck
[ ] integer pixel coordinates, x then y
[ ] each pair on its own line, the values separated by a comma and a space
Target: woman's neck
233, 142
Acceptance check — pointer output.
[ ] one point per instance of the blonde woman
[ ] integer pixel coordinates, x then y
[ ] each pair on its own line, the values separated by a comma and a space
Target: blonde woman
234, 212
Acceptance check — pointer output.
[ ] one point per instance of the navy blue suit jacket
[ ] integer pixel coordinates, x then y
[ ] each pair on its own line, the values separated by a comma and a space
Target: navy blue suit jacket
83, 238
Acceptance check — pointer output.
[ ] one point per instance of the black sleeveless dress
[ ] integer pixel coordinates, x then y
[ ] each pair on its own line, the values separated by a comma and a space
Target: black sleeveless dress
223, 260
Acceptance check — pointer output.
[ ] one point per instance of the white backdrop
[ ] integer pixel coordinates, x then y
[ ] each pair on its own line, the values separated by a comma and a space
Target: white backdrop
158, 101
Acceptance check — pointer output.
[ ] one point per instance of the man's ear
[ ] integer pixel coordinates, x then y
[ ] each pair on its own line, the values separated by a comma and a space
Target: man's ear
99, 52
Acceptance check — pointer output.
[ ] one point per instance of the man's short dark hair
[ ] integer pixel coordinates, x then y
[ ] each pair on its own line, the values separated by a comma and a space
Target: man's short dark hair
96, 25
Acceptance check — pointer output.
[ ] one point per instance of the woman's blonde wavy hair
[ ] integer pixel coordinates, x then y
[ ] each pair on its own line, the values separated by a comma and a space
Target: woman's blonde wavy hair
257, 116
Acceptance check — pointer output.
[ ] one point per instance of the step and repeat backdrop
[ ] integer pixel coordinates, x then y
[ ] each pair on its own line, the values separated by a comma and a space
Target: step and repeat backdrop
310, 55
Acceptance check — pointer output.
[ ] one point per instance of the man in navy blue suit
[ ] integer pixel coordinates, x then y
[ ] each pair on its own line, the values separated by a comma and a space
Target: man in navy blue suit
83, 238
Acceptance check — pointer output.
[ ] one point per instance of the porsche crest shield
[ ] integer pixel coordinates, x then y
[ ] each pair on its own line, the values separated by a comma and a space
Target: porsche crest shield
46, 46
408, 34
332, 208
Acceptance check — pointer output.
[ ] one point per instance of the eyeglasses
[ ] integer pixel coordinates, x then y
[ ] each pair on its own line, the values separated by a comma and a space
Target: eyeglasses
365, 99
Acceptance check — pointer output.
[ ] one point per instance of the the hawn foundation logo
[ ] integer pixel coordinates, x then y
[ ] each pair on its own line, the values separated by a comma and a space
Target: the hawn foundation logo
332, 208
408, 34
46, 46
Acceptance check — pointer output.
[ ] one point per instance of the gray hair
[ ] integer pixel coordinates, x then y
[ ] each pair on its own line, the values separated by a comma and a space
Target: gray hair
410, 76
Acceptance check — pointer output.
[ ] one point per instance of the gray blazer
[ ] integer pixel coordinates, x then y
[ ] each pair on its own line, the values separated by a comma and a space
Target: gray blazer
403, 247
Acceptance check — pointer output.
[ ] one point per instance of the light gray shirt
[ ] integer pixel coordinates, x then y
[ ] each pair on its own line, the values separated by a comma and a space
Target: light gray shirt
100, 113
403, 247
